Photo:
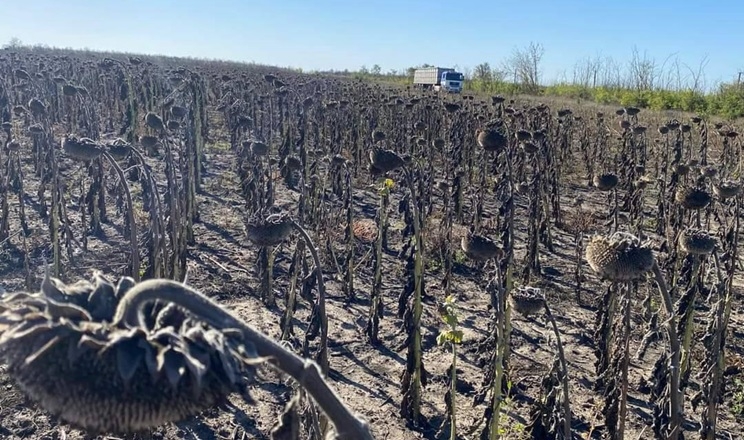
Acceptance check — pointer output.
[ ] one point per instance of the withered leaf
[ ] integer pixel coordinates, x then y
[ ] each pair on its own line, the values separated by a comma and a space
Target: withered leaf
288, 425
197, 362
173, 364
150, 358
67, 310
128, 358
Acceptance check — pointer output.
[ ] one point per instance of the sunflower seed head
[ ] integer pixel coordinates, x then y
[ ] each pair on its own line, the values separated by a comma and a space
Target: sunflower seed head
63, 354
620, 257
606, 181
154, 121
727, 189
268, 230
697, 242
480, 248
527, 300
692, 197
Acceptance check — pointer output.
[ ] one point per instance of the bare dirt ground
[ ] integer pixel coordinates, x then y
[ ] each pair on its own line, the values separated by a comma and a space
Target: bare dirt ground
221, 264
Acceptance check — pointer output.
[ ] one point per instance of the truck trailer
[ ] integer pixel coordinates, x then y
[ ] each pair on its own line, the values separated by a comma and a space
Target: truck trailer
439, 78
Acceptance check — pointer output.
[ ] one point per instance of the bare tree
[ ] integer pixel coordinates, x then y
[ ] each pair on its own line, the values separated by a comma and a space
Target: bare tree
611, 74
697, 76
466, 72
525, 65
670, 75
581, 72
642, 71
498, 76
586, 71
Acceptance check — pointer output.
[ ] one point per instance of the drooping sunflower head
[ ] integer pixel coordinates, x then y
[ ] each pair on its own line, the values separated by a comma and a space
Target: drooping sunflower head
62, 350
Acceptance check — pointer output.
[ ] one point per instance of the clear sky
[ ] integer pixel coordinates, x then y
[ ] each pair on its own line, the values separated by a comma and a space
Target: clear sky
346, 34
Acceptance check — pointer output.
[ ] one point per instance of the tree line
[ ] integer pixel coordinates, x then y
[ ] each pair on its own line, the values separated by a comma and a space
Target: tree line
641, 81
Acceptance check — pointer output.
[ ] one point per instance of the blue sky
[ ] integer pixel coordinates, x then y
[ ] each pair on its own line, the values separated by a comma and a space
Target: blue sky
338, 34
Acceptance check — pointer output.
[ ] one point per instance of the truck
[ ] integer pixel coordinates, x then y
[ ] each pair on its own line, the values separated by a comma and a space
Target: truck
439, 78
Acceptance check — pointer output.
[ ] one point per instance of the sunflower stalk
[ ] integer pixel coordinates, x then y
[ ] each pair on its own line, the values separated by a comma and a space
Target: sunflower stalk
685, 315
415, 350
130, 313
564, 374
675, 394
291, 305
715, 362
319, 310
133, 246
453, 337
503, 287
348, 285
376, 306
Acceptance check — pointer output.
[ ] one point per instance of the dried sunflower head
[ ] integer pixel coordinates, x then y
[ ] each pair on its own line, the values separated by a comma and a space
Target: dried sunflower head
154, 121
682, 169
148, 141
338, 160
81, 149
480, 248
727, 189
606, 182
492, 140
697, 242
259, 148
527, 300
37, 107
269, 230
62, 350
709, 171
691, 197
293, 162
119, 149
179, 112
620, 257
529, 147
69, 90
378, 136
385, 160
35, 129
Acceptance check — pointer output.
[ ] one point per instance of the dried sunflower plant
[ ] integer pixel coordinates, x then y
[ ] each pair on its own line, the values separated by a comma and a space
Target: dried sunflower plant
110, 358
550, 411
623, 259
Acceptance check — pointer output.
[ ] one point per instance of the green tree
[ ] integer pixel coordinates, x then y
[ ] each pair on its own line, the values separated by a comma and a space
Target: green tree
483, 72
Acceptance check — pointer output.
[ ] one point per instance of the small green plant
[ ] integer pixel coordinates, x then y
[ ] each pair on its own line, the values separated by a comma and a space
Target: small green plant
737, 400
433, 265
514, 430
453, 337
